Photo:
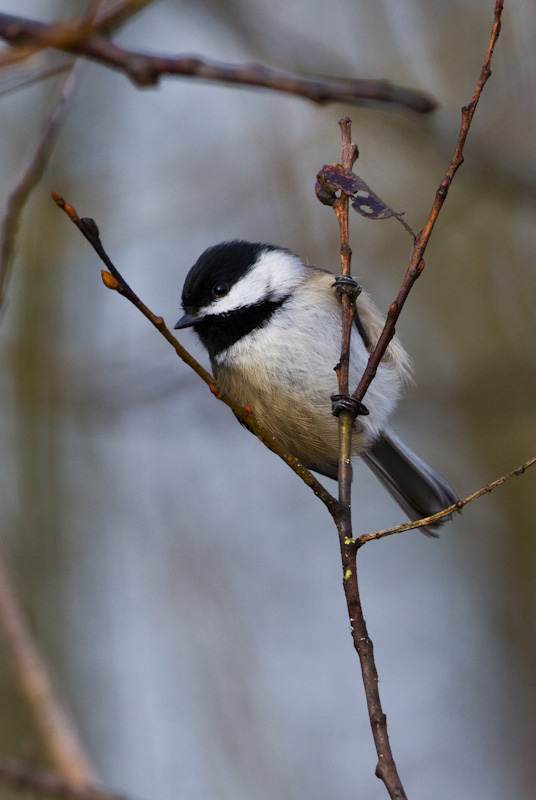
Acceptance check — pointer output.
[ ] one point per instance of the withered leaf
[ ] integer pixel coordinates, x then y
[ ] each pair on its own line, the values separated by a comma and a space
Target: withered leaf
333, 178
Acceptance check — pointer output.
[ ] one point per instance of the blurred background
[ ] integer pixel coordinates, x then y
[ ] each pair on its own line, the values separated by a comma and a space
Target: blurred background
184, 586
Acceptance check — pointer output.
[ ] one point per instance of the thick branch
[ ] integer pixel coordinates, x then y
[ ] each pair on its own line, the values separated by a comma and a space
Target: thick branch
41, 782
58, 736
145, 69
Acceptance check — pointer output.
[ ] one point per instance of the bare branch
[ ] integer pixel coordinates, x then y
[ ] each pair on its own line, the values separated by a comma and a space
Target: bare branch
416, 264
32, 175
20, 776
18, 82
58, 736
146, 70
420, 523
114, 280
109, 22
386, 768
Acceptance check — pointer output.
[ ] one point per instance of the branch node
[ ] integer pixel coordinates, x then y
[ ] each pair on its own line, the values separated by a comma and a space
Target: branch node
90, 226
444, 186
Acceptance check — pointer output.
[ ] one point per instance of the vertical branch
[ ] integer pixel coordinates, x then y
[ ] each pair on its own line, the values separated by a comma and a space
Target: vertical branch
386, 768
346, 418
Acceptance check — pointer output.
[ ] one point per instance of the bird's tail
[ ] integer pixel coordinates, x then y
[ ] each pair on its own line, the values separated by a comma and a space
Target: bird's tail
418, 489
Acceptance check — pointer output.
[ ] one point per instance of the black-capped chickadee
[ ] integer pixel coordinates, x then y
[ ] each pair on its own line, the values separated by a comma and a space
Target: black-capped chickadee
272, 328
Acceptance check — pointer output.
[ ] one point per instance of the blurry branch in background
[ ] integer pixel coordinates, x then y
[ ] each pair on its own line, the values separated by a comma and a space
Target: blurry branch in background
44, 783
59, 739
109, 20
32, 175
90, 20
78, 29
32, 76
82, 38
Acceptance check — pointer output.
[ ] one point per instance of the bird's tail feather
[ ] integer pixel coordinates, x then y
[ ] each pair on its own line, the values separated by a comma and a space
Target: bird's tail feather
418, 489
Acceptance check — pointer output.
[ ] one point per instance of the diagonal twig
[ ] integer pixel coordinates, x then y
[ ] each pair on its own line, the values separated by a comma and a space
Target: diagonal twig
58, 736
114, 280
408, 526
416, 265
112, 20
32, 174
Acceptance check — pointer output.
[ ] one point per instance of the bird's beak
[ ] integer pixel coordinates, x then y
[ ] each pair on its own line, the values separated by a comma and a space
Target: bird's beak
186, 321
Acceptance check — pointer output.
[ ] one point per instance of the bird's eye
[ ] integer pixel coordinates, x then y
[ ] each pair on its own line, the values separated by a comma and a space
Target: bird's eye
220, 289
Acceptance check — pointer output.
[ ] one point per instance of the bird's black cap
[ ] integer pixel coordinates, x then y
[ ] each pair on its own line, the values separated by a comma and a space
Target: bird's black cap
217, 270
223, 263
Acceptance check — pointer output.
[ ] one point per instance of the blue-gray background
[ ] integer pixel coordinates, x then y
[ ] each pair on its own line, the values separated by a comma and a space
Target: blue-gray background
184, 585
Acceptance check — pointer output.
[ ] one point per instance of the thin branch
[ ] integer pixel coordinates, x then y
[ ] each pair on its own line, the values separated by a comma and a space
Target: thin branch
408, 526
112, 20
346, 417
16, 83
58, 736
416, 264
386, 768
32, 175
146, 70
45, 783
114, 280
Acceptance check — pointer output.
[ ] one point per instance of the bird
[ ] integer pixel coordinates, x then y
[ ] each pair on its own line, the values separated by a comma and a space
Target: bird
271, 325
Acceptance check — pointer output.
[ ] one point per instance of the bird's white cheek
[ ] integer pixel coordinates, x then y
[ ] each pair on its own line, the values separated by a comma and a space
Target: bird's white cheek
244, 293
275, 275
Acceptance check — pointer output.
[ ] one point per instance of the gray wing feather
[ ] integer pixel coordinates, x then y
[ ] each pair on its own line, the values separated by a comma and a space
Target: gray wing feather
418, 489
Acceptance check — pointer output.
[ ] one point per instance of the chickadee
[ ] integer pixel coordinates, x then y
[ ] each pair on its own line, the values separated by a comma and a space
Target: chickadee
272, 328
